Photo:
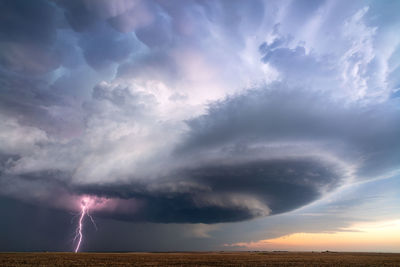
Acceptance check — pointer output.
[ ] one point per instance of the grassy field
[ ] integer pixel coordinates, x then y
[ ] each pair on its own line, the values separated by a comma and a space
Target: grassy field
200, 259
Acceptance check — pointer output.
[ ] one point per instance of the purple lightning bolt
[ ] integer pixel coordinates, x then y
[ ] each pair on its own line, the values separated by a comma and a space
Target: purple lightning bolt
85, 205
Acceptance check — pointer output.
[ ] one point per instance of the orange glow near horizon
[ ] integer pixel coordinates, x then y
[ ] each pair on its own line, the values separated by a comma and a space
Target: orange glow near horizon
381, 236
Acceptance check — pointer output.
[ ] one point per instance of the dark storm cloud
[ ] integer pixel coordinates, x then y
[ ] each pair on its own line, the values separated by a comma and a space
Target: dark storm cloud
213, 193
26, 98
23, 21
27, 36
33, 36
281, 115
228, 167
101, 45
32, 48
77, 15
25, 224
30, 100
147, 104
38, 228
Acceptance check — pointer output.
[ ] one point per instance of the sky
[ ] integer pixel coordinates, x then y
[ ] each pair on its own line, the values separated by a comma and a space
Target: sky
200, 125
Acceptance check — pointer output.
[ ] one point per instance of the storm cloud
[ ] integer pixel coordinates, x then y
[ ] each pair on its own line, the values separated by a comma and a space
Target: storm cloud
195, 111
261, 153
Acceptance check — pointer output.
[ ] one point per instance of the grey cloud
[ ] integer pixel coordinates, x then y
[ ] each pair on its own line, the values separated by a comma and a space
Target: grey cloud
102, 98
124, 16
28, 59
30, 227
299, 68
292, 61
109, 8
23, 21
30, 101
23, 228
157, 65
363, 135
155, 35
27, 36
141, 14
26, 98
213, 193
101, 44
355, 67
267, 151
104, 46
337, 213
129, 100
78, 15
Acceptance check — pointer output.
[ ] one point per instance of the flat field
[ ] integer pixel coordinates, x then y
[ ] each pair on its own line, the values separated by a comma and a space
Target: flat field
201, 259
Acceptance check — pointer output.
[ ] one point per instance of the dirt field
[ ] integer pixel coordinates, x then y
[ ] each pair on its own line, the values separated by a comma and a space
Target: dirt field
200, 259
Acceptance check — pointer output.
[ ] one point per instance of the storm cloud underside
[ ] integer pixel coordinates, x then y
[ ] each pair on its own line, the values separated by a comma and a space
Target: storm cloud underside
195, 111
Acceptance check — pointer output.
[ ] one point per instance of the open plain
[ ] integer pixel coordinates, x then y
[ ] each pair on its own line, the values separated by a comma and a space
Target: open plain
201, 259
